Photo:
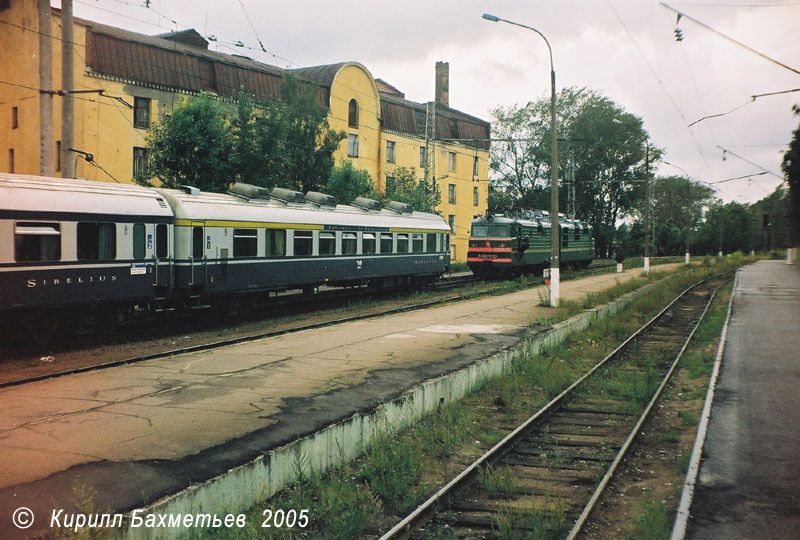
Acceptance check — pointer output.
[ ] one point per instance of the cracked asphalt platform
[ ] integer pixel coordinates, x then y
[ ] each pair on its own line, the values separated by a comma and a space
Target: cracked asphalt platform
749, 481
133, 434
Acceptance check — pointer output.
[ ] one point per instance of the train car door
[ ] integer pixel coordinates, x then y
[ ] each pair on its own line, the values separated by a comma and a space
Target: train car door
158, 245
199, 261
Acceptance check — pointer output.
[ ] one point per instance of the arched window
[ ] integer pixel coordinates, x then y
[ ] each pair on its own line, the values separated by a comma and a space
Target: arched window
352, 113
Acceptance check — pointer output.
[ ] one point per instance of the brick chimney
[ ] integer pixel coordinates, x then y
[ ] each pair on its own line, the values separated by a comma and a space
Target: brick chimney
443, 83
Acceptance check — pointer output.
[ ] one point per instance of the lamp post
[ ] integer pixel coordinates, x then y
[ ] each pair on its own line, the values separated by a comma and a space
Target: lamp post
646, 193
555, 245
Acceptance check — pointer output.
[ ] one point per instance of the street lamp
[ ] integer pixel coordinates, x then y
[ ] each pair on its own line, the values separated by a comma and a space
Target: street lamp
555, 246
646, 193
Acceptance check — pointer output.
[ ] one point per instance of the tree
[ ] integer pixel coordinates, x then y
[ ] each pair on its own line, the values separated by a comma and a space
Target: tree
346, 183
677, 206
605, 157
208, 144
307, 143
409, 190
193, 146
791, 170
727, 228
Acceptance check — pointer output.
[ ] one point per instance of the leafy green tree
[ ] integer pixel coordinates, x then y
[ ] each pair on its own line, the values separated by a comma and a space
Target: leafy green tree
772, 220
193, 146
791, 170
346, 183
409, 190
680, 201
306, 143
727, 228
601, 146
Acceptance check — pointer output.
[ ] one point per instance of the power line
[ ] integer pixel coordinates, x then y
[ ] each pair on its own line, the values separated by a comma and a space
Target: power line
752, 50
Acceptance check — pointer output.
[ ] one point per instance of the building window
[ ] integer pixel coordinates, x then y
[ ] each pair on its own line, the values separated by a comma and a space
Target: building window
140, 158
14, 117
451, 161
475, 196
451, 220
141, 112
58, 155
423, 156
390, 151
475, 166
11, 160
352, 113
352, 145
390, 186
451, 193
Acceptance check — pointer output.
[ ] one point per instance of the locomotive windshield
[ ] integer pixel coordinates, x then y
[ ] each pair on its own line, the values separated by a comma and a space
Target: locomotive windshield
485, 231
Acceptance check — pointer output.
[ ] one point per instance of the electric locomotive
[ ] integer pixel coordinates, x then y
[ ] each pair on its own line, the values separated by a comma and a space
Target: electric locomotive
505, 245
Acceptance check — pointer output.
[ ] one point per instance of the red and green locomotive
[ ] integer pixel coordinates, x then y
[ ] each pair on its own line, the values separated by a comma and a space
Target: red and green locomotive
511, 244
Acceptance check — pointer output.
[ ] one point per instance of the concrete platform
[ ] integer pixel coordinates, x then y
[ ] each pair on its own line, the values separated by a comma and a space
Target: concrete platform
749, 482
136, 433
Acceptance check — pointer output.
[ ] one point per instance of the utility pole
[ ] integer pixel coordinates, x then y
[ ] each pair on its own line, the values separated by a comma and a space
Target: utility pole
68, 84
46, 150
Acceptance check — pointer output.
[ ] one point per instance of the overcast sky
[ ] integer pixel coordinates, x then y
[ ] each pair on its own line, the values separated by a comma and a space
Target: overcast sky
624, 48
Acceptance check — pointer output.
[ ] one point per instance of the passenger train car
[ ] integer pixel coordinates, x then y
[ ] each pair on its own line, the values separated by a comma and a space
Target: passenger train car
79, 247
510, 244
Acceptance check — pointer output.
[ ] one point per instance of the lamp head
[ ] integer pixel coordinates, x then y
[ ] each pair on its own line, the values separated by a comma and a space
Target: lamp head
490, 17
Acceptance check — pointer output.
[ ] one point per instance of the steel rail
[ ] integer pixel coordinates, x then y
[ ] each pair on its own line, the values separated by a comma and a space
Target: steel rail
584, 516
411, 522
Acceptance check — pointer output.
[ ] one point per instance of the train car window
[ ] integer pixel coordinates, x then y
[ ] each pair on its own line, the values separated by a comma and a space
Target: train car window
139, 251
446, 243
162, 244
276, 243
97, 241
417, 243
564, 237
37, 241
349, 243
540, 228
327, 243
368, 243
577, 232
303, 242
431, 243
481, 231
245, 243
498, 230
197, 242
386, 243
402, 243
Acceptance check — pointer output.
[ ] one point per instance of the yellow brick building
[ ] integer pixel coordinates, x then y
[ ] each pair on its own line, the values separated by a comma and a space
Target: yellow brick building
126, 81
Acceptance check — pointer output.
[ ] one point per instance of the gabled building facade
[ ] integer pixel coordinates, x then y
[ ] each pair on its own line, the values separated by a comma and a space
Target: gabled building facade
126, 81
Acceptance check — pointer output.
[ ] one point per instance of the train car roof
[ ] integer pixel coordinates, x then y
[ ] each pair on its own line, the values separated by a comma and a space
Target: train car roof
26, 193
564, 223
230, 210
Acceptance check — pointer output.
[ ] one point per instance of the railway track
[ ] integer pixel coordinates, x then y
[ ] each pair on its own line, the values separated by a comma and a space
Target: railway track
545, 477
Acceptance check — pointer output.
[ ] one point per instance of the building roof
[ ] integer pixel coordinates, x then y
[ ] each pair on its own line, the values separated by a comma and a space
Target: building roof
182, 61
